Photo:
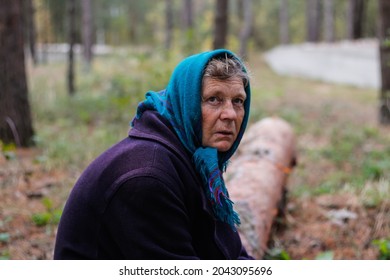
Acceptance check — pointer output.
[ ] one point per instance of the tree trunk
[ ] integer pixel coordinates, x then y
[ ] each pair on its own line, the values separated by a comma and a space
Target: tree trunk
284, 33
220, 24
188, 18
188, 26
72, 41
384, 49
246, 30
329, 20
15, 115
168, 24
355, 19
134, 19
239, 8
313, 20
257, 179
44, 52
87, 34
30, 28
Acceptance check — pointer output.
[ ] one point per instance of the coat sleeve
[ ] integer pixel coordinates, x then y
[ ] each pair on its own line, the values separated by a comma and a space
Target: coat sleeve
147, 219
244, 255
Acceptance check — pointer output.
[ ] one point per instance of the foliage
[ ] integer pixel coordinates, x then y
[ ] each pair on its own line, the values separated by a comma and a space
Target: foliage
41, 219
50, 216
374, 193
384, 248
8, 150
386, 43
99, 114
376, 164
143, 22
5, 255
5, 238
277, 254
350, 149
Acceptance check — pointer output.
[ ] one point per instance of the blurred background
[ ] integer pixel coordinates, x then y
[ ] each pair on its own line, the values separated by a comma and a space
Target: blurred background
72, 73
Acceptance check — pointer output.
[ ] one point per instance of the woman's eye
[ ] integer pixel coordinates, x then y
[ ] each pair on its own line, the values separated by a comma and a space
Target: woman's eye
238, 101
213, 100
217, 101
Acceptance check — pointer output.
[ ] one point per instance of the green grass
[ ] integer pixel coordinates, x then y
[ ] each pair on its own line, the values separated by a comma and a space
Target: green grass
346, 150
384, 248
74, 130
51, 215
277, 253
5, 255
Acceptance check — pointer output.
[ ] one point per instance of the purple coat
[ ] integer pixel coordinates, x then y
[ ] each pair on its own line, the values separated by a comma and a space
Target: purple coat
142, 199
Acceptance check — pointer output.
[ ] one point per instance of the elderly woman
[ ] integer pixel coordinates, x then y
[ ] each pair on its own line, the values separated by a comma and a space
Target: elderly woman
159, 193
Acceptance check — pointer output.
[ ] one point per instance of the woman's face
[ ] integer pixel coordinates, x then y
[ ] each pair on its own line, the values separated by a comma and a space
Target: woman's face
222, 112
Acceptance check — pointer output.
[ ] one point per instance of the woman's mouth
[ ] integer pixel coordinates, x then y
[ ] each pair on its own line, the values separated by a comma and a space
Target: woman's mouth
225, 132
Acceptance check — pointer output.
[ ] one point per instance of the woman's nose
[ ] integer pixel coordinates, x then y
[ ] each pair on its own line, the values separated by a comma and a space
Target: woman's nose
228, 111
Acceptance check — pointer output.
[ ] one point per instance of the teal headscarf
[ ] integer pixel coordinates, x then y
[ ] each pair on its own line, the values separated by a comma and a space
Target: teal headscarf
180, 104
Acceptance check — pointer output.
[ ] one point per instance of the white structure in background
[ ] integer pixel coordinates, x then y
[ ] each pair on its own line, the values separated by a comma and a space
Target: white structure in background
354, 63
59, 52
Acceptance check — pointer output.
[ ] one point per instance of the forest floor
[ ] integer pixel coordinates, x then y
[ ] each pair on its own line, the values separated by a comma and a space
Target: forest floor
326, 216
307, 230
344, 218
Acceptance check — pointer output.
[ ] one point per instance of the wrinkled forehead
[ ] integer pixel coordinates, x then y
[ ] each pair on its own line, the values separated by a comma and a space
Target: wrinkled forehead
232, 87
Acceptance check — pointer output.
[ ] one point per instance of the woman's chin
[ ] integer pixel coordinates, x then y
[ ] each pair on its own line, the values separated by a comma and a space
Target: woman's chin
223, 146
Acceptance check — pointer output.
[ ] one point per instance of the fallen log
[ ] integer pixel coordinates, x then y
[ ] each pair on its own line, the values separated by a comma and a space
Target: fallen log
257, 179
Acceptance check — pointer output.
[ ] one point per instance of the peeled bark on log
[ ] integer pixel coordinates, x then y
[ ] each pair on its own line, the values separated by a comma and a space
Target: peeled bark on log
257, 179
